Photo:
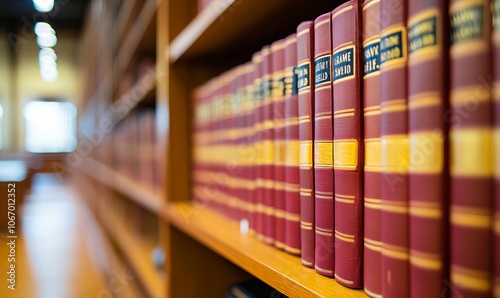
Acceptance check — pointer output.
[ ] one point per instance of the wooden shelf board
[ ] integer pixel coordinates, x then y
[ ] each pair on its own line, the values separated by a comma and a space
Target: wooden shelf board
136, 34
279, 269
137, 255
229, 26
124, 185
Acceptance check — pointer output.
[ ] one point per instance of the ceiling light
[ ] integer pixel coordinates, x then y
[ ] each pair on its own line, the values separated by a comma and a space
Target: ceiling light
42, 28
49, 74
47, 54
43, 5
47, 40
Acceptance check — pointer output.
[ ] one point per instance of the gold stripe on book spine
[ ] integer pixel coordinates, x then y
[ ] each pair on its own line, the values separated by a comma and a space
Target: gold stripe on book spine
323, 154
395, 153
345, 154
471, 152
373, 155
426, 152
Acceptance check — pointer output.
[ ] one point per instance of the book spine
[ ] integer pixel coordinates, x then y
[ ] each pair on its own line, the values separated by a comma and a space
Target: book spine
347, 145
394, 138
305, 86
372, 168
278, 116
236, 163
427, 102
268, 147
292, 175
323, 147
471, 148
496, 130
247, 150
258, 192
226, 125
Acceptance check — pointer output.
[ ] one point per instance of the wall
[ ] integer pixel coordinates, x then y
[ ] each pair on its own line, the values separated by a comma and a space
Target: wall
21, 81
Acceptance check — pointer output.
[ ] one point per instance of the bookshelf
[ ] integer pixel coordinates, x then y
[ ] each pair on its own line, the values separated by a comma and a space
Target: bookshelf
189, 49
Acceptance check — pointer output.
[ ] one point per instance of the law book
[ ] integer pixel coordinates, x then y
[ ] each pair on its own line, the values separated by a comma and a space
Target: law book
247, 151
292, 154
496, 146
258, 200
427, 102
268, 147
278, 123
347, 143
372, 168
471, 148
305, 86
323, 147
226, 122
394, 140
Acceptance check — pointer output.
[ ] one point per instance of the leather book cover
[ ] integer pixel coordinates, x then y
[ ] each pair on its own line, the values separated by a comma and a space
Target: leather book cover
427, 101
471, 148
268, 148
278, 116
246, 151
372, 167
258, 200
292, 174
394, 140
496, 146
305, 86
347, 146
323, 146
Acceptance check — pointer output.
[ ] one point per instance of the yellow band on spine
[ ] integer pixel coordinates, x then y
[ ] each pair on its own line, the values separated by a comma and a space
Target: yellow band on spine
345, 154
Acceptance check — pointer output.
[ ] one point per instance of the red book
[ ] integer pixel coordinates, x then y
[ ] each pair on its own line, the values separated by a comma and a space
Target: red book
323, 146
372, 168
496, 119
394, 138
278, 116
292, 175
427, 102
347, 145
471, 148
305, 86
267, 143
257, 119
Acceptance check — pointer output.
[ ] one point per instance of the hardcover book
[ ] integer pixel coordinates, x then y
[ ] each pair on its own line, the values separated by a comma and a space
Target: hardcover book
347, 146
305, 86
323, 146
471, 148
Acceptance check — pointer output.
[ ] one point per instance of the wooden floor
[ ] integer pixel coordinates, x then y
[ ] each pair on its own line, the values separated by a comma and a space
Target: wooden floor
53, 256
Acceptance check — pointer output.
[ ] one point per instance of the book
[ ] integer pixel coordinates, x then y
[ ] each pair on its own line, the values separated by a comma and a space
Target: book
372, 168
252, 289
323, 147
278, 123
496, 124
257, 122
247, 152
305, 86
471, 148
427, 102
394, 140
292, 151
268, 148
347, 146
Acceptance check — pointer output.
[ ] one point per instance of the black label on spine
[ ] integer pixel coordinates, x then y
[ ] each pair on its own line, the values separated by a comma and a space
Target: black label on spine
392, 46
372, 57
423, 34
467, 24
343, 64
303, 75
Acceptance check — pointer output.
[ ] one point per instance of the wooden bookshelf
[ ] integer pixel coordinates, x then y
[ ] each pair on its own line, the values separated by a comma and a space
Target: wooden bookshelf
141, 195
137, 255
273, 266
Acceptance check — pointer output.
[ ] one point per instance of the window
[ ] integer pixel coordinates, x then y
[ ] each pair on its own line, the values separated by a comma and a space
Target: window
50, 126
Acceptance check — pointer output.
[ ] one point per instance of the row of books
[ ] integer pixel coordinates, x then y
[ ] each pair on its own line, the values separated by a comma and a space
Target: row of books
134, 148
367, 143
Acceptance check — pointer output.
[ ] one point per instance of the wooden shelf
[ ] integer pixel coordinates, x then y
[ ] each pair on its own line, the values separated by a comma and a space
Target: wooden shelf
279, 269
233, 25
137, 34
137, 255
124, 185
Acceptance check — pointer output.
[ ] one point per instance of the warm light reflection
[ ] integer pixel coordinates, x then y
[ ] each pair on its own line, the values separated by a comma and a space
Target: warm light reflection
43, 5
50, 126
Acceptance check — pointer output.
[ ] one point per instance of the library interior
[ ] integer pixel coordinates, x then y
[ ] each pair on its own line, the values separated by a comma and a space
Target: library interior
250, 148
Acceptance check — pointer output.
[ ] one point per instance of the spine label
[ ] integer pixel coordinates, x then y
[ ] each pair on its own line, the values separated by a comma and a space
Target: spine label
343, 63
467, 24
392, 46
372, 57
422, 34
303, 77
322, 67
